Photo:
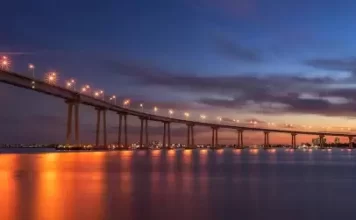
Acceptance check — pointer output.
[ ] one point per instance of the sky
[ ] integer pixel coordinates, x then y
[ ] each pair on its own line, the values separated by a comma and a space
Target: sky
285, 62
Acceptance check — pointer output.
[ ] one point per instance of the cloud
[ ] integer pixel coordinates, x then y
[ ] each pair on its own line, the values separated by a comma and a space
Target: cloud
267, 93
346, 64
290, 104
145, 74
18, 53
237, 52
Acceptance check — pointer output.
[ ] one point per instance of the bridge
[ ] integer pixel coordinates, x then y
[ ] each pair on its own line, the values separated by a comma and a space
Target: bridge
73, 99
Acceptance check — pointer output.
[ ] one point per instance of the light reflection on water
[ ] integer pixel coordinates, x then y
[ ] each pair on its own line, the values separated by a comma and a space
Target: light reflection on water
179, 184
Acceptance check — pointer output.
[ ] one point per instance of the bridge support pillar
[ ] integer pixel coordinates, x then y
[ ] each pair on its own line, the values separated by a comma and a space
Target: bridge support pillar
70, 105
141, 133
192, 131
213, 137
143, 127
216, 137
238, 139
169, 134
69, 122
188, 135
146, 130
164, 134
125, 130
121, 115
119, 132
241, 138
76, 123
321, 140
351, 145
104, 128
97, 139
294, 143
266, 142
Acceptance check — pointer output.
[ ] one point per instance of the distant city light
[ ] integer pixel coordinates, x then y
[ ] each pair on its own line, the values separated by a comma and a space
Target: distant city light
203, 117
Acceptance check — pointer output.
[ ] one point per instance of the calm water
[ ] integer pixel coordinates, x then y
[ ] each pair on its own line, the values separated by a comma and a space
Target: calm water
182, 184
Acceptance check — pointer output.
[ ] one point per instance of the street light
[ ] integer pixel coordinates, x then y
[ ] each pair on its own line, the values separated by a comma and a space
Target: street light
203, 117
186, 115
219, 119
71, 84
170, 112
51, 78
253, 123
85, 88
126, 103
102, 94
31, 68
155, 109
5, 63
113, 98
270, 124
141, 106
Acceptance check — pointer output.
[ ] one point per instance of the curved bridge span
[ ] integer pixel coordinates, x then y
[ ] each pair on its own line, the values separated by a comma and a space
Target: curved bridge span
73, 99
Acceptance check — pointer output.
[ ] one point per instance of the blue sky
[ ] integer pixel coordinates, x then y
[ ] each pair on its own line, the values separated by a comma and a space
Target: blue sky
276, 52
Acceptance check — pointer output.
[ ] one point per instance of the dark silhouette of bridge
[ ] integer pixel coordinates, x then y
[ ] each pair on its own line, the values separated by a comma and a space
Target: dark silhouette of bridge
74, 99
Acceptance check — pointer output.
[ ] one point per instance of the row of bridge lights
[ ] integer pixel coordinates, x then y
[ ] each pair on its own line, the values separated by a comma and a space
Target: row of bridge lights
52, 77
